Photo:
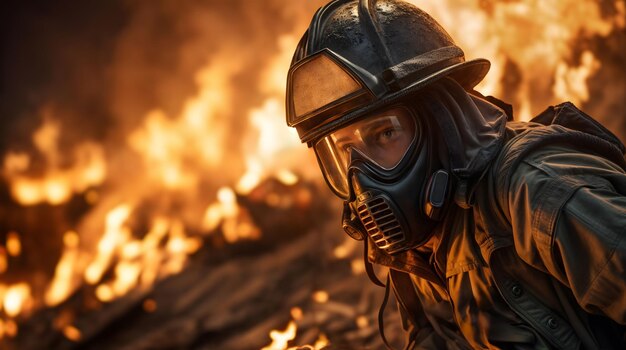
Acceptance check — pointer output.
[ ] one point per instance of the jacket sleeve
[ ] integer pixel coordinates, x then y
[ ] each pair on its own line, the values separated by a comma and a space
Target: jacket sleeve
568, 214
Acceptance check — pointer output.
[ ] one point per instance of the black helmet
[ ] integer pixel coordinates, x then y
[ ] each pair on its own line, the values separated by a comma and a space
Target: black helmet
351, 96
358, 56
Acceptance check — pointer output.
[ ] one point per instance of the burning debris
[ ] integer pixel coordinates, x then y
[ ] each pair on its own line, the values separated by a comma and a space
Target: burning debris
183, 212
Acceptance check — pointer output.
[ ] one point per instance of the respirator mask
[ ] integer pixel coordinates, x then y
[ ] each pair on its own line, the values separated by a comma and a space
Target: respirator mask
386, 170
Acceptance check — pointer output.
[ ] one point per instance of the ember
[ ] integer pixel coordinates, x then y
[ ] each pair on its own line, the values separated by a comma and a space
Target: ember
151, 195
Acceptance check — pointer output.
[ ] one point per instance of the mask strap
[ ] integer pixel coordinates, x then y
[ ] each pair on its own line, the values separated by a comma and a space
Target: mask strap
381, 313
372, 276
369, 268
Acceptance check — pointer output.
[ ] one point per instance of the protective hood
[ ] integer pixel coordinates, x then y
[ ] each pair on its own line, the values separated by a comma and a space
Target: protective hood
472, 128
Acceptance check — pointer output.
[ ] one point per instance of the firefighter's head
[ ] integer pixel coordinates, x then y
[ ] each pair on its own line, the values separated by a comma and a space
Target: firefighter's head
355, 93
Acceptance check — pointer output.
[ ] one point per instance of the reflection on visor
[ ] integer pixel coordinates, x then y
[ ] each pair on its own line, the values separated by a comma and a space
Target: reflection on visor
318, 83
324, 86
383, 138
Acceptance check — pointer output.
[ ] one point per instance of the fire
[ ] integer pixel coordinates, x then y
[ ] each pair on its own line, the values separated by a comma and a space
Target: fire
72, 333
362, 322
499, 31
571, 81
58, 183
139, 262
173, 148
320, 296
14, 245
16, 298
63, 282
236, 223
321, 342
181, 171
264, 150
114, 233
280, 339
176, 154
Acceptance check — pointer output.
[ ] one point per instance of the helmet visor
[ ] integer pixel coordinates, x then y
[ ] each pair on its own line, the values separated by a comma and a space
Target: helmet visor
383, 138
325, 86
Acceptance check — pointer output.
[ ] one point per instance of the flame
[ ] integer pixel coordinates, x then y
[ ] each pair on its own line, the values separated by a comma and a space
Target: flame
362, 322
16, 298
500, 30
236, 224
139, 262
72, 333
14, 245
272, 138
196, 136
58, 183
63, 281
176, 153
321, 342
320, 296
571, 81
296, 313
280, 339
114, 233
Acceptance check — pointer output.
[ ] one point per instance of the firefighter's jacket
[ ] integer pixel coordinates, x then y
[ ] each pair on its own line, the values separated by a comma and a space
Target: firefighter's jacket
535, 257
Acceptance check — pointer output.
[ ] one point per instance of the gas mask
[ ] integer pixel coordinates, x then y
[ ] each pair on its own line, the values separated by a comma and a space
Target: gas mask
385, 168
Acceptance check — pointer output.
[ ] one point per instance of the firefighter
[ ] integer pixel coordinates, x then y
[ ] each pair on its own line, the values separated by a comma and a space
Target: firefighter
497, 234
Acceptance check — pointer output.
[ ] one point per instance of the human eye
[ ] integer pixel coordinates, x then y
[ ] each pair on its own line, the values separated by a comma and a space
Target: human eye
387, 135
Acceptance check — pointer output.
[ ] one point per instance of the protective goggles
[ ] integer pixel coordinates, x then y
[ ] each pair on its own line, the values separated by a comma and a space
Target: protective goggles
382, 138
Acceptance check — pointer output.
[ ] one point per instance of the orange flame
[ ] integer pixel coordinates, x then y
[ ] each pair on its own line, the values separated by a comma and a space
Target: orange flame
500, 31
16, 297
58, 184
14, 245
280, 339
63, 282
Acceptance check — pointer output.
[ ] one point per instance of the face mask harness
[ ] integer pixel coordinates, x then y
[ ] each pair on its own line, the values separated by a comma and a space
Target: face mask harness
385, 168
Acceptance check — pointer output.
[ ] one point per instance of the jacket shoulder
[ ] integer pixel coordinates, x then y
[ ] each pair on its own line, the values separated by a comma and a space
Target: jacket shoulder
561, 140
568, 115
563, 125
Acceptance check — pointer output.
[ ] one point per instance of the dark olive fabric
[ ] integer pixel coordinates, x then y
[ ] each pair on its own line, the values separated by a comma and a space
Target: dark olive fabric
538, 261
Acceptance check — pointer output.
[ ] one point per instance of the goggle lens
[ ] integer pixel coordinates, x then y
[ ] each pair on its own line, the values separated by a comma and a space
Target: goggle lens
383, 138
